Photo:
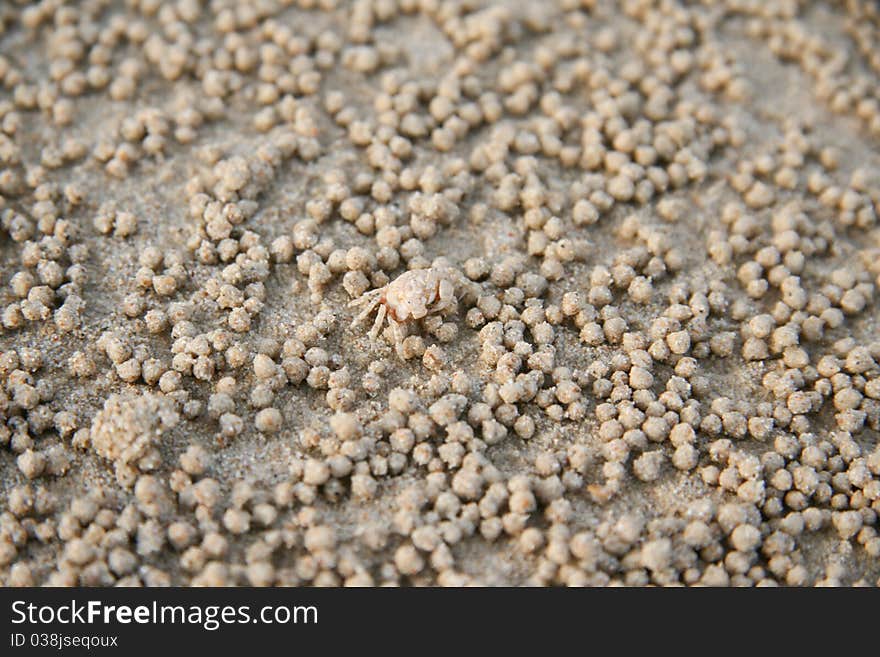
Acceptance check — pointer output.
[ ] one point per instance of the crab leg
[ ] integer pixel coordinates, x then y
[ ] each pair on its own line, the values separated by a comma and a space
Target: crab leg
377, 325
399, 334
372, 303
364, 297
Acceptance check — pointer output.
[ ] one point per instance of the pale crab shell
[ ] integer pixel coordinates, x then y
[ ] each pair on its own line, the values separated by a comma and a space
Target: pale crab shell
414, 294
411, 296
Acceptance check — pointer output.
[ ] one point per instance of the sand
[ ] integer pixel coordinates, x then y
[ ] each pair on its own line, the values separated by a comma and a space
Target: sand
761, 100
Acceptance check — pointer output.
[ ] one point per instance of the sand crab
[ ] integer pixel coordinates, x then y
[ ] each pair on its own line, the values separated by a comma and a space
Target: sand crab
411, 296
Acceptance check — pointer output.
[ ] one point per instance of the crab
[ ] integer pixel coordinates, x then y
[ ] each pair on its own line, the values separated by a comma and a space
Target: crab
411, 296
